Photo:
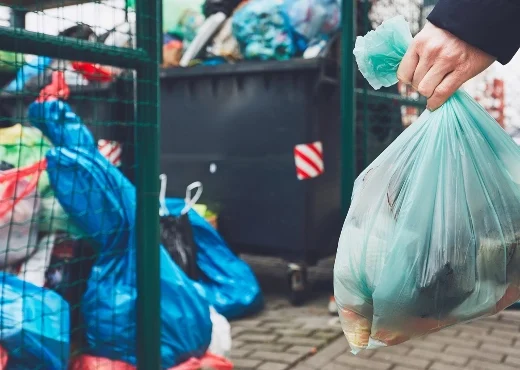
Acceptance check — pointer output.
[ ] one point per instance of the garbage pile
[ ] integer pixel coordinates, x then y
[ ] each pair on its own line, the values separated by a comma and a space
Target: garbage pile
68, 261
227, 31
29, 71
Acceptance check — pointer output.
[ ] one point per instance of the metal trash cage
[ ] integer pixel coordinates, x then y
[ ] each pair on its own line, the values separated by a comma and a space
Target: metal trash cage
63, 208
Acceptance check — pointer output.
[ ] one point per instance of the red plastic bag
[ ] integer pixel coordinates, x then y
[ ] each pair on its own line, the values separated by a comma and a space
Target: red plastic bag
3, 359
93, 72
86, 362
57, 89
19, 206
215, 362
9, 180
209, 361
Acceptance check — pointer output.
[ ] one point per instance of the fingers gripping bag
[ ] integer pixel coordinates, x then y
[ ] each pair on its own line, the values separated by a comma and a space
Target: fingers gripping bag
431, 236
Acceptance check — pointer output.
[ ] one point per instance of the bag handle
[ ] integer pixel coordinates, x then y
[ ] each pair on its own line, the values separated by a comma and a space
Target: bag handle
190, 202
11, 177
163, 210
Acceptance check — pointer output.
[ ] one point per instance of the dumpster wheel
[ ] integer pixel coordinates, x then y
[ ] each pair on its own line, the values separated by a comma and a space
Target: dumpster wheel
298, 283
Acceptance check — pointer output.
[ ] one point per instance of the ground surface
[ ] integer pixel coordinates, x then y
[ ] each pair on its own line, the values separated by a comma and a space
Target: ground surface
307, 338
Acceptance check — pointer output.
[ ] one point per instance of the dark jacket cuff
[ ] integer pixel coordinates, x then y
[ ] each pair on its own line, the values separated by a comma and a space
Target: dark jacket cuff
490, 25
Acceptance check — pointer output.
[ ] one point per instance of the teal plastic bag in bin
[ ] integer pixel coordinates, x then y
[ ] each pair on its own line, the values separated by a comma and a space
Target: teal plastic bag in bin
431, 234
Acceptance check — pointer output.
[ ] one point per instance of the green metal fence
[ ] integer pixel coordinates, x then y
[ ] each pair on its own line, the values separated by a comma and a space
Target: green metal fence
138, 61
371, 120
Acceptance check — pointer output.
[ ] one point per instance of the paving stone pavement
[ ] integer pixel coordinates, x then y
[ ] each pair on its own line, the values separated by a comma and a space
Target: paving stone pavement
283, 337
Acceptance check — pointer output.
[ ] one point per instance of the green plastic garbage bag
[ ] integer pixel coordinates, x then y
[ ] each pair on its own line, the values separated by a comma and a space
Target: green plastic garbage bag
431, 235
21, 146
10, 62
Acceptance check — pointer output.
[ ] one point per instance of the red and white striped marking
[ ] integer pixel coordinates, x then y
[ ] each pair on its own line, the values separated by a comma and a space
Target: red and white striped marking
111, 150
309, 160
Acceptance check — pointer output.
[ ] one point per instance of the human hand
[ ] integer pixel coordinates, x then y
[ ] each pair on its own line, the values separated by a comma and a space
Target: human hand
438, 63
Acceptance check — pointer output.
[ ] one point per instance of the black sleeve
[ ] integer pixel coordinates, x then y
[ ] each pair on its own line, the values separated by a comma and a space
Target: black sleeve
490, 25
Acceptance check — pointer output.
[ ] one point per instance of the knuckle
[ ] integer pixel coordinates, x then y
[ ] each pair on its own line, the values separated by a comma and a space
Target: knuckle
463, 69
449, 57
423, 90
434, 102
430, 48
441, 92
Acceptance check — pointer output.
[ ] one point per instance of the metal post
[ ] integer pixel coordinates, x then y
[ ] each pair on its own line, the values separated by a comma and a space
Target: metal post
348, 103
365, 28
147, 181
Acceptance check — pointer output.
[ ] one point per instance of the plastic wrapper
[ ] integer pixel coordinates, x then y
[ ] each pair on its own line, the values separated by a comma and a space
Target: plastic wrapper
19, 207
220, 335
431, 236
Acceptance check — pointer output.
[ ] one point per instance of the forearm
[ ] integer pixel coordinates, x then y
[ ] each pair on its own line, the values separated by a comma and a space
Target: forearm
490, 25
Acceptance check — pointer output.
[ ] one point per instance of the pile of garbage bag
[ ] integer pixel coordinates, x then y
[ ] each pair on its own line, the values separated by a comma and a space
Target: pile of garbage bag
227, 31
431, 234
89, 280
31, 70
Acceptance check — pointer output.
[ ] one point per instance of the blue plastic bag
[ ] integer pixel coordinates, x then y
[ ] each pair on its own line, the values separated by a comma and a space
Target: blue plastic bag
314, 19
56, 120
30, 71
102, 201
34, 325
229, 283
432, 234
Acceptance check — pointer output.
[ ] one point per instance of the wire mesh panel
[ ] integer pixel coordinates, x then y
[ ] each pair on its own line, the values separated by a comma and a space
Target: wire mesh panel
381, 116
78, 212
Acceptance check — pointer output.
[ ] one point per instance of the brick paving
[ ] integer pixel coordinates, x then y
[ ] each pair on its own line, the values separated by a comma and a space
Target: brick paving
283, 337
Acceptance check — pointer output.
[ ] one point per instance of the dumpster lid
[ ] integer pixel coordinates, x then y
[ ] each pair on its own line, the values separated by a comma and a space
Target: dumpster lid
245, 67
